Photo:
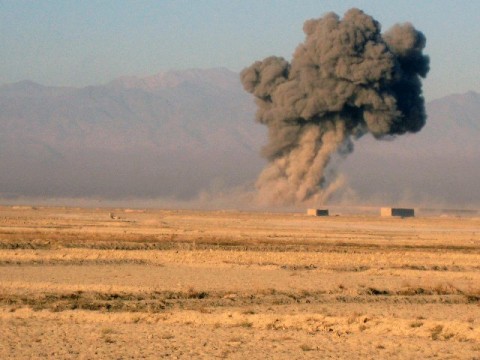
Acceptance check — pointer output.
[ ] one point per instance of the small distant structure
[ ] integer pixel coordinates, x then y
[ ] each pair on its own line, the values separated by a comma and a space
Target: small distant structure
317, 212
401, 212
113, 216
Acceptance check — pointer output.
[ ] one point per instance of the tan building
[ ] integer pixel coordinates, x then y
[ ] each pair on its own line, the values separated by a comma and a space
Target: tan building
317, 212
397, 212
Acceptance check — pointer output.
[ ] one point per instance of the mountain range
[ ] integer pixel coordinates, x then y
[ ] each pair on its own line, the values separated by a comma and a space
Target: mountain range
180, 133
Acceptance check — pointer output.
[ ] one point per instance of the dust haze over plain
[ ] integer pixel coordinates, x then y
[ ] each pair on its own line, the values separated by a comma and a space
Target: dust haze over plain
347, 79
189, 140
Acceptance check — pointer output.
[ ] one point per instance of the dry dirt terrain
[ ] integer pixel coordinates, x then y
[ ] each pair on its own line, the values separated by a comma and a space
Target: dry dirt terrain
131, 284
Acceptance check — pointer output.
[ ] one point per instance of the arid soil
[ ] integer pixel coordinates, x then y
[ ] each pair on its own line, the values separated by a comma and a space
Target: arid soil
130, 284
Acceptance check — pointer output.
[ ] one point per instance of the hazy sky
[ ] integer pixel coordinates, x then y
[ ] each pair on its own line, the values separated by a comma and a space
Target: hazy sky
78, 43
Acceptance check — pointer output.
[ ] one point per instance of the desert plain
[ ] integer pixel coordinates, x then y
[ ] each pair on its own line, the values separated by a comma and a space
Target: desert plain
78, 283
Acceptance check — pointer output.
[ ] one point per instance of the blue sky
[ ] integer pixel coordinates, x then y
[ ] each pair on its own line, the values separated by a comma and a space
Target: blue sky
79, 43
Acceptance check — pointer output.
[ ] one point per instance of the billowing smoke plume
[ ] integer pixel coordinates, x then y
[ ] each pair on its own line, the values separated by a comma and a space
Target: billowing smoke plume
345, 80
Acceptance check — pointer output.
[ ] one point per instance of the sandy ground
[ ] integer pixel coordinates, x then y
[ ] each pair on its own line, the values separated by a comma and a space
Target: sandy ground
128, 284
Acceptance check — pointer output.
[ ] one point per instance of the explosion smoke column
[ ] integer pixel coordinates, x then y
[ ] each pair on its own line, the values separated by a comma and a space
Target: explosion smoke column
345, 80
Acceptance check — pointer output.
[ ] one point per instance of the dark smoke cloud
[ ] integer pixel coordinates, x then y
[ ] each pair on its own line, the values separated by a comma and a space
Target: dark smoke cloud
345, 80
